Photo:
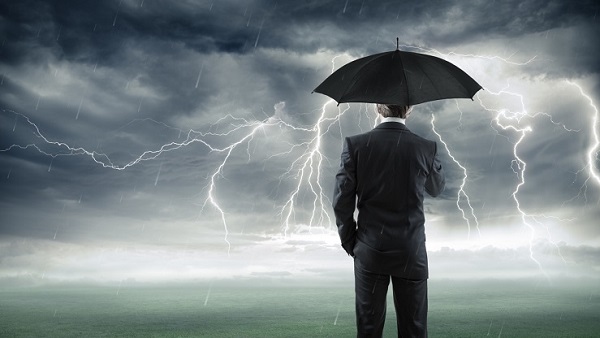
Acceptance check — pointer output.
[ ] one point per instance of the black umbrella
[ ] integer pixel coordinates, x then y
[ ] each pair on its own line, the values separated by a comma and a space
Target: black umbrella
399, 78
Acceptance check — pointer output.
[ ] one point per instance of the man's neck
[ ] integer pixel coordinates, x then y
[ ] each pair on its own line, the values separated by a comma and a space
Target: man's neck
394, 119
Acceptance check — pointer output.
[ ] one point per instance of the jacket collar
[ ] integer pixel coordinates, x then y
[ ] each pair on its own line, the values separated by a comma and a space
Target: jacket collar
392, 125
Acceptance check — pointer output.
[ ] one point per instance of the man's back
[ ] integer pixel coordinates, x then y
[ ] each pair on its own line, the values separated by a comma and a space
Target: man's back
391, 169
384, 173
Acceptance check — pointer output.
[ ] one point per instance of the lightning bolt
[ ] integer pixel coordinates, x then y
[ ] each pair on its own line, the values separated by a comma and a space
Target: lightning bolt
462, 194
507, 120
307, 168
461, 190
594, 148
511, 121
193, 136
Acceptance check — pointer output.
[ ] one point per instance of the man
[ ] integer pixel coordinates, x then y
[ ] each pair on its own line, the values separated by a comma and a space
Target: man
384, 173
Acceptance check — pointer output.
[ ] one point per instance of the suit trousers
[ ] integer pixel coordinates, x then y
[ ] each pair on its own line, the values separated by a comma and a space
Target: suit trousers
410, 302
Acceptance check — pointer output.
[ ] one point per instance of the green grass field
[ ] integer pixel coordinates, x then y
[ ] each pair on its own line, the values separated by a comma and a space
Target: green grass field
457, 309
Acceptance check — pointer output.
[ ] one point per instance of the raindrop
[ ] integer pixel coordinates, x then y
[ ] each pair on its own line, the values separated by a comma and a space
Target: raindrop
15, 125
95, 66
142, 3
38, 102
345, 6
50, 166
140, 105
79, 108
117, 14
121, 200
207, 295
9, 171
258, 35
58, 36
80, 196
492, 145
158, 175
199, 74
418, 247
2, 80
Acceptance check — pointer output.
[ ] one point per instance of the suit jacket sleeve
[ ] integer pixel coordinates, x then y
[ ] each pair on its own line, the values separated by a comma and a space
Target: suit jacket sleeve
344, 198
436, 181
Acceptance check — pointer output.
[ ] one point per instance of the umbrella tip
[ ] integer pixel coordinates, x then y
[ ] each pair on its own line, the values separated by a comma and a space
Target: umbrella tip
397, 43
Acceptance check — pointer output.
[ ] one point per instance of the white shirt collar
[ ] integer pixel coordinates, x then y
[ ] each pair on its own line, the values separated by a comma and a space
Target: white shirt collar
393, 119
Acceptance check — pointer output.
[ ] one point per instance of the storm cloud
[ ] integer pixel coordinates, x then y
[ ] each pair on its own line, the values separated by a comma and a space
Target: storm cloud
143, 127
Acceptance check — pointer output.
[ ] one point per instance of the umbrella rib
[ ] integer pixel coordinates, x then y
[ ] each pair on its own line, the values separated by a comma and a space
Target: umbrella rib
426, 75
404, 77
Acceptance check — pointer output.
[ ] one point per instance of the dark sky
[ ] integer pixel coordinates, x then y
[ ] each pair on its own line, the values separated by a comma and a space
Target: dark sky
143, 138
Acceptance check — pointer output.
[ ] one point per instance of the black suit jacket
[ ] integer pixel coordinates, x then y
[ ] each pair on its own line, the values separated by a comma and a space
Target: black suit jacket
384, 173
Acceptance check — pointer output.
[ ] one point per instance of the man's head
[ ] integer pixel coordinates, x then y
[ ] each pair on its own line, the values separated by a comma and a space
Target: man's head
390, 110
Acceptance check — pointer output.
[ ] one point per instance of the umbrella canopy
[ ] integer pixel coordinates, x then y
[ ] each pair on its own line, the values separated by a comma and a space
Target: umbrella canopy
399, 78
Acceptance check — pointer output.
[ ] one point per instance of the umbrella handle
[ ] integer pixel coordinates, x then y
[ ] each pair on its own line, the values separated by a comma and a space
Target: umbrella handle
397, 44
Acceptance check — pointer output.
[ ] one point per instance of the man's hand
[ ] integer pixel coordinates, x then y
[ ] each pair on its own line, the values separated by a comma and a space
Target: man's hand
349, 246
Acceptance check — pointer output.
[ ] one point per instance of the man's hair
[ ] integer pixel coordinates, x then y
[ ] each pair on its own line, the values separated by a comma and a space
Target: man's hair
391, 110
